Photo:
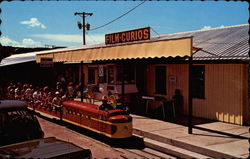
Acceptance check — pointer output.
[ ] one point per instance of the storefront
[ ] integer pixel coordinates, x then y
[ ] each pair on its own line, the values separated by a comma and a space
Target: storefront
159, 66
108, 77
115, 68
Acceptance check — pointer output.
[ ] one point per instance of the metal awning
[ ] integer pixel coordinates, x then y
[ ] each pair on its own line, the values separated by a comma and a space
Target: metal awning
180, 47
17, 59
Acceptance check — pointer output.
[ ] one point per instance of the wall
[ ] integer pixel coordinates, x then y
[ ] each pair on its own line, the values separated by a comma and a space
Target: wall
226, 90
225, 94
180, 72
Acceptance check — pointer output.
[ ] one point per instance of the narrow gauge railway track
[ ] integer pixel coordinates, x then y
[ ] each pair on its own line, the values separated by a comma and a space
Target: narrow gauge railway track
146, 153
131, 148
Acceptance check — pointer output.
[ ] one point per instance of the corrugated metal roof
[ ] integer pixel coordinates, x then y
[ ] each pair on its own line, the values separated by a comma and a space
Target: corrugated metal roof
18, 58
218, 43
225, 43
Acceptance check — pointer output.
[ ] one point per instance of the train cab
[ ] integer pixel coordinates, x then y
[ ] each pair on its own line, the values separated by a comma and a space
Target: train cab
122, 121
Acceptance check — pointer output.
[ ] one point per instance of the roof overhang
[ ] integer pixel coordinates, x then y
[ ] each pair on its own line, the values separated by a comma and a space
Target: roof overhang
17, 59
180, 47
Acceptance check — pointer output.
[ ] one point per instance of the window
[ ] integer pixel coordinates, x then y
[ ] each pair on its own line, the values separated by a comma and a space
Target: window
102, 74
198, 81
111, 74
128, 74
160, 80
92, 75
18, 126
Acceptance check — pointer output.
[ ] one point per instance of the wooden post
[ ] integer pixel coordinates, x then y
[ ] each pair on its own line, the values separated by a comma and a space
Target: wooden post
123, 85
248, 93
190, 97
82, 81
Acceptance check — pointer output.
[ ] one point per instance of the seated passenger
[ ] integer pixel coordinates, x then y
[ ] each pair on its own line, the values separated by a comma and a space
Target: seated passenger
57, 101
105, 105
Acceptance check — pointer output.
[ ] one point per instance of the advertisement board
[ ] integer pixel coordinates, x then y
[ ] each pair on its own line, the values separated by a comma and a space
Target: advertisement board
128, 36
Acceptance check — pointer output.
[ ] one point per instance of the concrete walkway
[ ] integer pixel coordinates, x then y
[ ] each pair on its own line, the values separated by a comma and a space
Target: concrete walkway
225, 141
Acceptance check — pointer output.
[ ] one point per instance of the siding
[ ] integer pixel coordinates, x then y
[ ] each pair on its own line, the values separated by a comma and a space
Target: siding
225, 94
226, 91
180, 71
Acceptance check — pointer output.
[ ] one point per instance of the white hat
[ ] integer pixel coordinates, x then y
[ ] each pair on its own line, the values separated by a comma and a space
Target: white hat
101, 89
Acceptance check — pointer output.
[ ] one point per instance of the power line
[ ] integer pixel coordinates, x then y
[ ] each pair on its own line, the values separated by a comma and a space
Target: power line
154, 31
118, 17
90, 37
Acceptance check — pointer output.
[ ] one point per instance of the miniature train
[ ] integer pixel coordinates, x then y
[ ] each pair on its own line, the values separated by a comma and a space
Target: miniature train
114, 123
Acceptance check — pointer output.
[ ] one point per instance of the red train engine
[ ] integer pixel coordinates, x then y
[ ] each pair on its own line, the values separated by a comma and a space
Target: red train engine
115, 123
112, 123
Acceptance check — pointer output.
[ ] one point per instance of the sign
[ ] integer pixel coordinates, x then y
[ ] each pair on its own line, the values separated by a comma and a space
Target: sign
148, 98
101, 74
128, 36
46, 62
172, 80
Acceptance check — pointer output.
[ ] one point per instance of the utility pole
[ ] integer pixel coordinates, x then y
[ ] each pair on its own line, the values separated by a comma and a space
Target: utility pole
83, 26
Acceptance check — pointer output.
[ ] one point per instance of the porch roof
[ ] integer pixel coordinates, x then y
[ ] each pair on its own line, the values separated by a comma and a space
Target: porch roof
175, 47
18, 58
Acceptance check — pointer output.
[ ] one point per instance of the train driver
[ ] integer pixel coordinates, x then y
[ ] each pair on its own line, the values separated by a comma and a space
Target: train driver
105, 105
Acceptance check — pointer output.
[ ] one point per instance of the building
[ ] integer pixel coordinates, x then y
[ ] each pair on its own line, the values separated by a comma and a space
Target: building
216, 61
21, 66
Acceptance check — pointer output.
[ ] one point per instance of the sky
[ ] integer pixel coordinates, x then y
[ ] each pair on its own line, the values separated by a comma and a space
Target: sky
40, 23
